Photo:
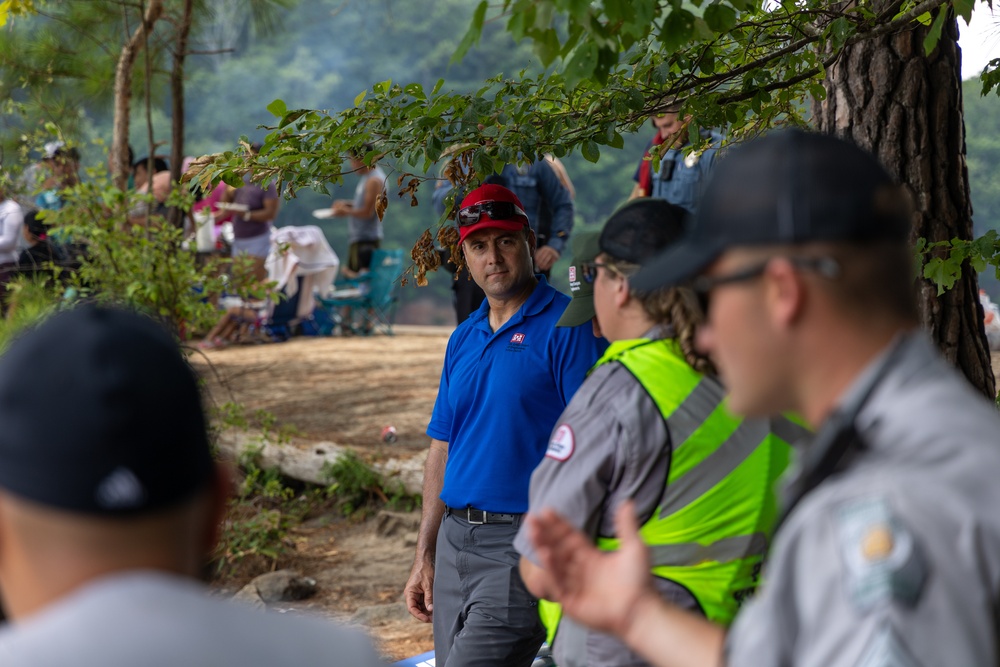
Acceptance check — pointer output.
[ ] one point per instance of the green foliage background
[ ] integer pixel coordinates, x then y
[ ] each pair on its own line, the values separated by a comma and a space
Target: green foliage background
982, 139
325, 52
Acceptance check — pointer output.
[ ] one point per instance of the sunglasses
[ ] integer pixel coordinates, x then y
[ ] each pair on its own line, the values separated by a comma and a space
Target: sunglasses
702, 286
589, 270
495, 210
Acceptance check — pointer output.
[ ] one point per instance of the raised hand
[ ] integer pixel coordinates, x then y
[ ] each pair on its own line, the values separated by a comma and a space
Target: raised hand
599, 589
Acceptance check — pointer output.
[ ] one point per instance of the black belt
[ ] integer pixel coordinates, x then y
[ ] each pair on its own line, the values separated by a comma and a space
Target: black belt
472, 515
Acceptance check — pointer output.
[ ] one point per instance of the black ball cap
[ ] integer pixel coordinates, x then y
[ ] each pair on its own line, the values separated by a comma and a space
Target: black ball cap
641, 229
100, 414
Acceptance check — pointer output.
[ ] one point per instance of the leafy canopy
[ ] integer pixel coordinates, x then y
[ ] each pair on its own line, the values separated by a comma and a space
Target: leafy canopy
742, 65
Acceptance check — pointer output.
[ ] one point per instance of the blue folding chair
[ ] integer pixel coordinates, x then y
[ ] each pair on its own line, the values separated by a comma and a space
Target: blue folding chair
371, 296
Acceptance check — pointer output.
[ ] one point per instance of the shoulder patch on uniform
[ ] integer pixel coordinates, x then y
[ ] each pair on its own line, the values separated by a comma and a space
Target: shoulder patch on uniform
885, 650
562, 444
884, 562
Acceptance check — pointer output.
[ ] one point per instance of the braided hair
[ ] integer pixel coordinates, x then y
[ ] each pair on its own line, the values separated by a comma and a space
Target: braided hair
673, 307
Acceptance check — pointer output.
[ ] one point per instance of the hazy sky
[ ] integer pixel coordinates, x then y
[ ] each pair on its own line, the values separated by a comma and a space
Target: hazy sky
980, 41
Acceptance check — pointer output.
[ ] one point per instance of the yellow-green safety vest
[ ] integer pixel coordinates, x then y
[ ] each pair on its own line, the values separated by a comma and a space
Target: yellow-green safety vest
711, 528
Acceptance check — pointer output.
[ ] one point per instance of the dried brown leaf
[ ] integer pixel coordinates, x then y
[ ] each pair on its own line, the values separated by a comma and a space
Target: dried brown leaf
381, 203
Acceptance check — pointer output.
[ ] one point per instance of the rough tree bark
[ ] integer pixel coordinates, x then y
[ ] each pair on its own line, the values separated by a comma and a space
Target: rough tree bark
123, 93
176, 215
906, 108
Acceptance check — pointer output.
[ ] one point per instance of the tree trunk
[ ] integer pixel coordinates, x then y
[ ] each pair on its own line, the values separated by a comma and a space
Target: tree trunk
906, 108
176, 215
123, 94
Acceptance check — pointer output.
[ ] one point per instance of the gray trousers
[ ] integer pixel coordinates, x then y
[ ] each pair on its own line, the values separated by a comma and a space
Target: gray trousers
483, 614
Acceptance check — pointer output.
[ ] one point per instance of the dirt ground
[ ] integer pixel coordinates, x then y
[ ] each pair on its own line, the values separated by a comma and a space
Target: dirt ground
345, 390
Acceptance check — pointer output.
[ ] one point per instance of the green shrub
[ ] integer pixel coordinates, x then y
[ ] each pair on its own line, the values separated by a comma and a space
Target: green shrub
29, 300
359, 489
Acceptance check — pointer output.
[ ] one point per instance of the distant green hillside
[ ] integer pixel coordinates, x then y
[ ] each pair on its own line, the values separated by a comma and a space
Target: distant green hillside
982, 138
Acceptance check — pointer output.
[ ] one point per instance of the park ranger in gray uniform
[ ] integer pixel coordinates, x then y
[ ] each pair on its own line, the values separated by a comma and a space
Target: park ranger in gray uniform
650, 424
889, 553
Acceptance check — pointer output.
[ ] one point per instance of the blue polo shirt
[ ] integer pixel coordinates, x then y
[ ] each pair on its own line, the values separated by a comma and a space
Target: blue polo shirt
500, 396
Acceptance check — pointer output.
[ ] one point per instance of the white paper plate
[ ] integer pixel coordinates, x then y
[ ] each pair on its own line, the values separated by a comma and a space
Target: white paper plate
231, 206
322, 213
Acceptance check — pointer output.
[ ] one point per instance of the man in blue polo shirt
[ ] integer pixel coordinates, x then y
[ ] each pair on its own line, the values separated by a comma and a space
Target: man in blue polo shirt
508, 373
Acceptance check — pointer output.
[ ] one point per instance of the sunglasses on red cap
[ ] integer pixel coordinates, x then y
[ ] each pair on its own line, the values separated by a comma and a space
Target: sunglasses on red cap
495, 210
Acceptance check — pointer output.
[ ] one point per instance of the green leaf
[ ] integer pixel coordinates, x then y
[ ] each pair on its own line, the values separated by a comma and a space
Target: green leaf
817, 90
942, 272
360, 97
543, 18
701, 30
840, 30
437, 86
415, 90
635, 99
482, 164
277, 108
473, 34
934, 35
991, 77
581, 63
677, 29
720, 18
292, 117
547, 46
590, 150
232, 179
579, 9
964, 9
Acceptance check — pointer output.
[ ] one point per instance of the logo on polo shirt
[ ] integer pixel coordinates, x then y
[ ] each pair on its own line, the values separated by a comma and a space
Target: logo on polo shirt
572, 274
517, 338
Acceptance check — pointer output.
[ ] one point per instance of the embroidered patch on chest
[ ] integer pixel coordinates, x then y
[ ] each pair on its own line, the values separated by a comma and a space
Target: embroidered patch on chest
517, 338
562, 444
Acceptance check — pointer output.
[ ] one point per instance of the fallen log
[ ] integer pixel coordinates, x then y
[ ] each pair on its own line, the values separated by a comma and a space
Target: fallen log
305, 461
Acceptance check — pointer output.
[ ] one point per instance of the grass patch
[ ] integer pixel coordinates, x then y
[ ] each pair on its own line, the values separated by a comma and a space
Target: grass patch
255, 533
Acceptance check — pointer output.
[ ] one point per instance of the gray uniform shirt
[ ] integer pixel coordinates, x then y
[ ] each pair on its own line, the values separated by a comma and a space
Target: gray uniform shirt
895, 561
158, 620
611, 445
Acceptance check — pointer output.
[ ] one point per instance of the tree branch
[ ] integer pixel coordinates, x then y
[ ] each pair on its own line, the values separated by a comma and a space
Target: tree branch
123, 93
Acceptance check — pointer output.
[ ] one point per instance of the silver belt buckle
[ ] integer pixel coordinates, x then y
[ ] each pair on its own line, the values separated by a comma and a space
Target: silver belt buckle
468, 516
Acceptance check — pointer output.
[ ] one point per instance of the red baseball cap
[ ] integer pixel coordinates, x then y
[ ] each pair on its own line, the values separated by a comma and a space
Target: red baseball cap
476, 211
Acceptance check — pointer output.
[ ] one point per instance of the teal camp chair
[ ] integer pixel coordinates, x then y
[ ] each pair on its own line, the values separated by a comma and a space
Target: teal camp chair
371, 296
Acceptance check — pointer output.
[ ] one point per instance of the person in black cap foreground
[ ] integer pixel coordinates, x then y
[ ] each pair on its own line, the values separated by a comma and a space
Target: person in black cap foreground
110, 503
655, 440
888, 552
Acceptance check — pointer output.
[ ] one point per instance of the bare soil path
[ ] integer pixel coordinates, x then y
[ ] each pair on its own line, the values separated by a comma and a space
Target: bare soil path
345, 390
